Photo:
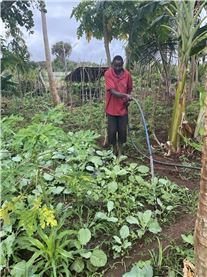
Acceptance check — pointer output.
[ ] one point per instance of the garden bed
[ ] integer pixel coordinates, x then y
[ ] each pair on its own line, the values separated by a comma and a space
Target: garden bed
74, 206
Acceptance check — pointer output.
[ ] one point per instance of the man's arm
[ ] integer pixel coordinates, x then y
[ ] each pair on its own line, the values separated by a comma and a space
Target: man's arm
120, 95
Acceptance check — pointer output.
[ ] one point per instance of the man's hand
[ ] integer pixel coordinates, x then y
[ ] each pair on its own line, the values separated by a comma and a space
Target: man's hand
128, 97
117, 94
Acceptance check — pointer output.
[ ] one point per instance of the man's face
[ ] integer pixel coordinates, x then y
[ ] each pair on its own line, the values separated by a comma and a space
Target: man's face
118, 66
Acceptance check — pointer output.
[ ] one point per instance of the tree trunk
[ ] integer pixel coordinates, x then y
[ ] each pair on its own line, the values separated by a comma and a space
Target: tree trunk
200, 234
199, 129
128, 49
55, 96
178, 109
106, 42
199, 125
192, 77
128, 56
166, 72
42, 81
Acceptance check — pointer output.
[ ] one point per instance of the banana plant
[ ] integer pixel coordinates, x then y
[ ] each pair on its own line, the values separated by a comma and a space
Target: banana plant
186, 16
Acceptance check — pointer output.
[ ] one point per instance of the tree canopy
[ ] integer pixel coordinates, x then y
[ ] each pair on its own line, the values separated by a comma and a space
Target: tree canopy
16, 14
62, 50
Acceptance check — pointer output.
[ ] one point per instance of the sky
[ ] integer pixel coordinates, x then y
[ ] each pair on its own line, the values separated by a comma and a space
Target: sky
63, 28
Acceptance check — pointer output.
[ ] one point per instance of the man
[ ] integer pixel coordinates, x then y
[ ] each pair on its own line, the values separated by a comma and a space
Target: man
118, 83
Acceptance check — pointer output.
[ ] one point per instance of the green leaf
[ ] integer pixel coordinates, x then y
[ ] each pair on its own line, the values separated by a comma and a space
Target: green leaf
100, 153
62, 170
117, 248
139, 179
159, 202
48, 177
124, 231
66, 254
100, 215
140, 233
110, 206
163, 181
84, 236
132, 220
112, 219
36, 243
121, 172
90, 267
90, 168
143, 169
145, 217
24, 182
86, 254
136, 271
126, 244
117, 239
57, 190
19, 269
8, 244
98, 258
112, 187
169, 208
4, 154
133, 166
66, 233
188, 238
154, 227
2, 234
96, 161
58, 156
78, 265
17, 159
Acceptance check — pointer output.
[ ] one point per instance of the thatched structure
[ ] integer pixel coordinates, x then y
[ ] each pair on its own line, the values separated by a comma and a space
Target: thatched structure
88, 78
86, 74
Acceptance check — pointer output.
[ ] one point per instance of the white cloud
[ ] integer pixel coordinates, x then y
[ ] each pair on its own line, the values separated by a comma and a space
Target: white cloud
63, 28
2, 28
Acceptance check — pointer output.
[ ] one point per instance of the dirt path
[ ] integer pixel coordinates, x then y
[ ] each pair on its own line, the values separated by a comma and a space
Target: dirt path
177, 176
184, 224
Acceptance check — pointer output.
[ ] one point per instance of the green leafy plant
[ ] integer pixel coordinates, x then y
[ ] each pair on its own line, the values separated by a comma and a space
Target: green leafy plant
143, 269
36, 137
7, 250
57, 173
146, 222
121, 242
61, 250
158, 259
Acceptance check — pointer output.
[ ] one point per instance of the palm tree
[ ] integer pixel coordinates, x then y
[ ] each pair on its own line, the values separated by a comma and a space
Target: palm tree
55, 96
201, 221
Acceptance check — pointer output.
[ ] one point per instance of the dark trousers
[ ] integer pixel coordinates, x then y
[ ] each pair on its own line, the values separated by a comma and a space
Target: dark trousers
117, 125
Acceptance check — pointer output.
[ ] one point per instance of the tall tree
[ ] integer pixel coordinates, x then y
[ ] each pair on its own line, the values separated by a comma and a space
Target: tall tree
55, 96
201, 221
16, 15
61, 50
15, 56
107, 37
